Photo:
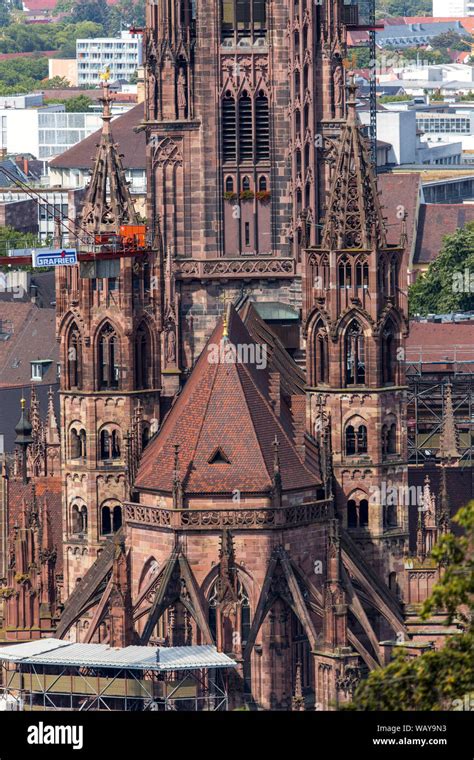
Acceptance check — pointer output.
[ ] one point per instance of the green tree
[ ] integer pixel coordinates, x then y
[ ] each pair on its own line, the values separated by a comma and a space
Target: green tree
451, 40
91, 10
11, 238
125, 14
78, 104
56, 83
5, 17
434, 679
448, 284
22, 74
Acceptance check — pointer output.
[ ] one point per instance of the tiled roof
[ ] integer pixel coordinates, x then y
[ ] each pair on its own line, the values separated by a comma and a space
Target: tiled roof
32, 337
131, 143
440, 341
435, 221
224, 406
400, 191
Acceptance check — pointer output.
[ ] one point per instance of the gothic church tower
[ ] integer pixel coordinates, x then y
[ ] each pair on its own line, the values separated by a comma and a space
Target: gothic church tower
108, 321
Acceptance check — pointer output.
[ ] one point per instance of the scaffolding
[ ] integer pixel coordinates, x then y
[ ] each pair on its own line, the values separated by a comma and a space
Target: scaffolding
96, 677
364, 21
428, 378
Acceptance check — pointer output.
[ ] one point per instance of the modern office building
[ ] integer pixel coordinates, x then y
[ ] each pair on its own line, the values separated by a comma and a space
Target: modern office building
43, 131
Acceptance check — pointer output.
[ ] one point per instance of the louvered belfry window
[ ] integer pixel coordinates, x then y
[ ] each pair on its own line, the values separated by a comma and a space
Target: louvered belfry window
245, 129
228, 129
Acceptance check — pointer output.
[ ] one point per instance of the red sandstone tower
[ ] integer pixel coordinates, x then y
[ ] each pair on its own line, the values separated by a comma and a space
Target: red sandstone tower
355, 314
108, 317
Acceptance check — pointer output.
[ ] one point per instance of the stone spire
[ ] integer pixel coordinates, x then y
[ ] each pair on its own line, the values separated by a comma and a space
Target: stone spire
443, 515
448, 443
52, 428
108, 202
354, 213
298, 703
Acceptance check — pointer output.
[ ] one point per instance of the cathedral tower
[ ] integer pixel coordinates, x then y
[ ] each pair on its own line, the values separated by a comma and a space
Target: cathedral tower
108, 314
356, 325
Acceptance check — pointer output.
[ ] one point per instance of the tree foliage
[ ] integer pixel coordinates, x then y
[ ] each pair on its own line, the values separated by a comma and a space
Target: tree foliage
22, 74
434, 679
448, 284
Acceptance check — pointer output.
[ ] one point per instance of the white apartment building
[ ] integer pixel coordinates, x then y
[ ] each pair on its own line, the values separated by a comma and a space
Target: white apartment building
42, 130
456, 8
122, 54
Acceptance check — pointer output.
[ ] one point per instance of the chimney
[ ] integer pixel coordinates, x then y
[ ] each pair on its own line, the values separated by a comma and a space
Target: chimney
298, 410
26, 165
274, 390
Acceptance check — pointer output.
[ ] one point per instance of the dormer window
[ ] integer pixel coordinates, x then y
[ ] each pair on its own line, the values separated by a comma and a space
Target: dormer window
39, 369
219, 457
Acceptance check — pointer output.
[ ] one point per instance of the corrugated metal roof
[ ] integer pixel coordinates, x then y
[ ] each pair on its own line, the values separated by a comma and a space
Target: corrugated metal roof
58, 652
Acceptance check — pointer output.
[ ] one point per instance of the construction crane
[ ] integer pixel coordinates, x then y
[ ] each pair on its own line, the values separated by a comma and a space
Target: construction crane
370, 26
131, 240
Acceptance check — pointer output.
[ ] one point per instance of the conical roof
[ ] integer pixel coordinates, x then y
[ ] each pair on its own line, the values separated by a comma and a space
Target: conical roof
354, 213
226, 428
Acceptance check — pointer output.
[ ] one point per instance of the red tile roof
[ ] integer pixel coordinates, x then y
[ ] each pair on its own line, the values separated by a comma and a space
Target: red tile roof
225, 406
32, 337
434, 222
432, 342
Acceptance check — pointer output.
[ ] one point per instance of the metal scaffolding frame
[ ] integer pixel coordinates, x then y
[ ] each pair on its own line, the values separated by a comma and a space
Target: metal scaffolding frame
36, 687
426, 400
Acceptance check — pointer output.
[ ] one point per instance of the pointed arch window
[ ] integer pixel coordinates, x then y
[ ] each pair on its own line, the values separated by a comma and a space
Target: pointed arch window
362, 274
345, 273
142, 358
354, 354
74, 358
108, 358
242, 599
388, 358
321, 355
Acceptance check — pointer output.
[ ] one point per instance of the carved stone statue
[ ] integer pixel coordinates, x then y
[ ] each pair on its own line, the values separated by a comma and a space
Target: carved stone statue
338, 85
170, 346
182, 99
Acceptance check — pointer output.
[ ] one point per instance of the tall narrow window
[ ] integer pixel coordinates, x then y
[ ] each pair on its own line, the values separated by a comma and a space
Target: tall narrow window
262, 127
354, 355
247, 234
350, 440
388, 354
108, 358
245, 128
74, 358
345, 273
106, 522
228, 128
142, 358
